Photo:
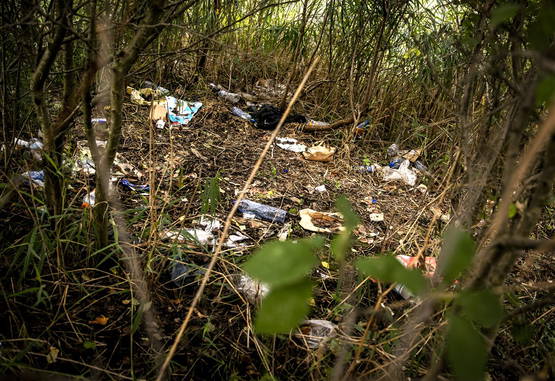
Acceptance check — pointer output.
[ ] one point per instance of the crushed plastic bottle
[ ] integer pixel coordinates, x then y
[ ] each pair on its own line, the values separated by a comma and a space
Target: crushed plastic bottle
251, 209
230, 97
393, 150
241, 114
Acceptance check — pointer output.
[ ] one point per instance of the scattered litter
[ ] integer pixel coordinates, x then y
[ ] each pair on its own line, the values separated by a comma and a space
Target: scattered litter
267, 117
422, 188
251, 209
320, 188
366, 168
321, 222
362, 127
393, 150
161, 90
98, 120
195, 235
183, 274
443, 217
319, 153
134, 187
253, 290
181, 112
89, 200
430, 265
290, 144
136, 97
158, 111
316, 124
284, 232
230, 97
210, 224
84, 162
34, 144
376, 217
160, 124
404, 173
241, 114
234, 240
412, 155
35, 177
317, 332
395, 163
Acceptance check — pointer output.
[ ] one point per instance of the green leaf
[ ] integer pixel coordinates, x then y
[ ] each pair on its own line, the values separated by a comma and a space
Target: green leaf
89, 345
545, 90
280, 263
284, 308
502, 13
482, 307
350, 218
511, 213
389, 269
340, 244
458, 251
466, 350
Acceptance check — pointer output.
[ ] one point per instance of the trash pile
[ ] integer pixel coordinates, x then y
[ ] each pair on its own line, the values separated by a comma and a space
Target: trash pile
305, 212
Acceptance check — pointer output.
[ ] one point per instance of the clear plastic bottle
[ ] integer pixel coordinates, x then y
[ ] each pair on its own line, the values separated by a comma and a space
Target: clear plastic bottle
251, 209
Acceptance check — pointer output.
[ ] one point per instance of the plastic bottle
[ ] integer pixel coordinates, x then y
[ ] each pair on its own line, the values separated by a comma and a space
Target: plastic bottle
230, 97
365, 168
395, 163
251, 209
241, 114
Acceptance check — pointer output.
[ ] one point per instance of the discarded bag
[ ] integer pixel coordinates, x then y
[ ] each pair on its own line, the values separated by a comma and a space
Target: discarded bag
317, 332
404, 173
267, 117
290, 144
321, 222
319, 153
241, 114
89, 200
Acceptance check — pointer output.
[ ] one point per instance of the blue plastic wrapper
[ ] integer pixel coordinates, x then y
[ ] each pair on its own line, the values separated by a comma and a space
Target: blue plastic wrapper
137, 188
261, 211
35, 177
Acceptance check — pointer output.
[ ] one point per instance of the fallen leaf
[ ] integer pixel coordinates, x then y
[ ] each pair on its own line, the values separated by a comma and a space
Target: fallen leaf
52, 355
100, 320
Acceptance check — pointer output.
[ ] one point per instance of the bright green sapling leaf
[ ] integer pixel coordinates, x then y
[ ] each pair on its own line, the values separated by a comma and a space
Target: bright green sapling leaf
284, 308
389, 269
466, 350
281, 263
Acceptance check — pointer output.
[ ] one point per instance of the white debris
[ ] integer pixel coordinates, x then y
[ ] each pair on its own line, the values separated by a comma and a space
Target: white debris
320, 188
253, 290
318, 332
376, 217
290, 144
404, 173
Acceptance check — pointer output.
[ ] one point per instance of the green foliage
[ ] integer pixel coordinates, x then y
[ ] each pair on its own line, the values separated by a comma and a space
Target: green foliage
511, 213
545, 90
284, 266
388, 269
540, 32
458, 251
341, 242
503, 13
281, 263
211, 195
481, 307
466, 350
284, 308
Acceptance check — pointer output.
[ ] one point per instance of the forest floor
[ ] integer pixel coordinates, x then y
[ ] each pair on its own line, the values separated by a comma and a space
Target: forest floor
220, 344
